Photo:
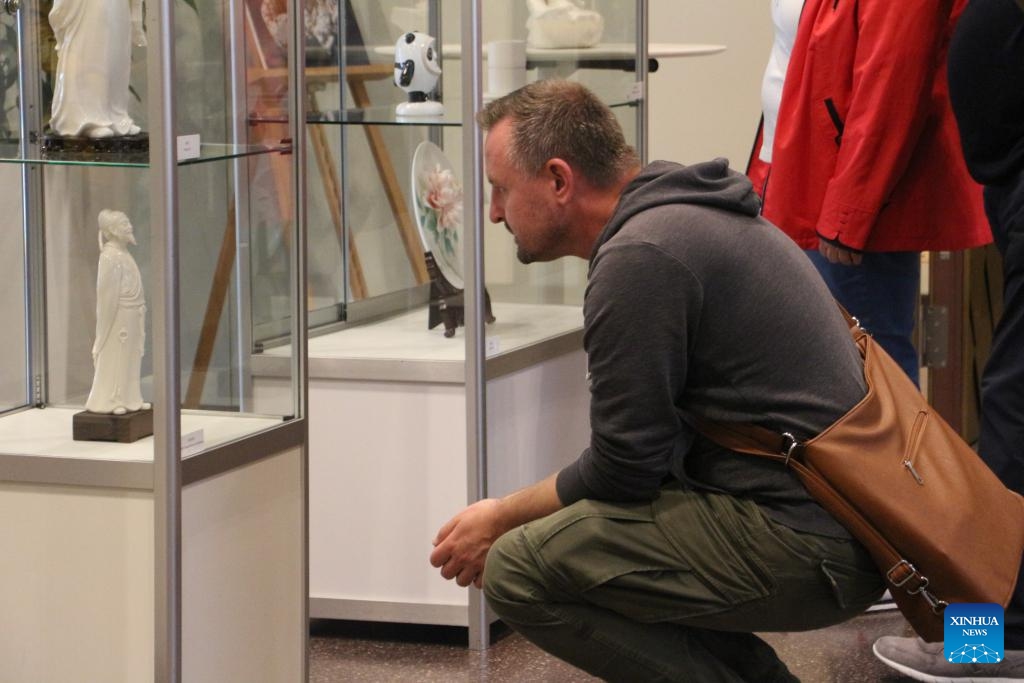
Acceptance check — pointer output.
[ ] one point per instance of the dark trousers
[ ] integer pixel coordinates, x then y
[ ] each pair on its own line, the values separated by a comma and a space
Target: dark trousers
1001, 443
986, 86
673, 590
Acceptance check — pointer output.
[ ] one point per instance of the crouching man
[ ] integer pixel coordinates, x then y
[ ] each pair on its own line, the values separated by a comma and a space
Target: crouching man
657, 554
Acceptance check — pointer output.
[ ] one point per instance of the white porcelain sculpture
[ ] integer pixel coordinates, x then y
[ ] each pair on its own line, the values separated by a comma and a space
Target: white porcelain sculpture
320, 21
401, 17
417, 71
94, 50
562, 24
120, 321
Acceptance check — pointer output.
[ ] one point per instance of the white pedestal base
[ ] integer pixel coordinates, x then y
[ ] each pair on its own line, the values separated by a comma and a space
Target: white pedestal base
428, 108
77, 577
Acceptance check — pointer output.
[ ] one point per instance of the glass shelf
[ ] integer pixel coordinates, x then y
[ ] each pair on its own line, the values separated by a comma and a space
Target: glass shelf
384, 115
208, 152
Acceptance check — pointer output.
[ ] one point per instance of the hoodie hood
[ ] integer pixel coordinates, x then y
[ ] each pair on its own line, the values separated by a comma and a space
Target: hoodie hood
711, 184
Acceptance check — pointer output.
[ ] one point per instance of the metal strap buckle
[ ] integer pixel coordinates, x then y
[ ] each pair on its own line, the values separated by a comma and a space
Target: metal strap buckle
919, 588
902, 564
789, 446
938, 606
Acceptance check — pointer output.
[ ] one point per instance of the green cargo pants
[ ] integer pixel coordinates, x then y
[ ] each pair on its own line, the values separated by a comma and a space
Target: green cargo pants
672, 590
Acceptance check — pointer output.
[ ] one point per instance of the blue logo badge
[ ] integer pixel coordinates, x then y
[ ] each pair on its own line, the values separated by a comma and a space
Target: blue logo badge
974, 633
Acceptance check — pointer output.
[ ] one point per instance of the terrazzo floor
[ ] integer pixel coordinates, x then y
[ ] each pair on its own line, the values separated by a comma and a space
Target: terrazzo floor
354, 652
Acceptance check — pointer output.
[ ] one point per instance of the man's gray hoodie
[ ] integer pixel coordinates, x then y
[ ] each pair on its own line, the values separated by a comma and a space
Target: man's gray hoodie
695, 304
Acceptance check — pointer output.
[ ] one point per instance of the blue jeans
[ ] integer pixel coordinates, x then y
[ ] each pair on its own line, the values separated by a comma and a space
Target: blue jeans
882, 293
672, 590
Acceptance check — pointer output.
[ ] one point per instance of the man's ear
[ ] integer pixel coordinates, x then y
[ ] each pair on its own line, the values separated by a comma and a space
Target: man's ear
561, 177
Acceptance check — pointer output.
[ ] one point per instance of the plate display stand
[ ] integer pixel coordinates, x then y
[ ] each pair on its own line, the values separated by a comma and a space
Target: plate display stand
437, 204
447, 303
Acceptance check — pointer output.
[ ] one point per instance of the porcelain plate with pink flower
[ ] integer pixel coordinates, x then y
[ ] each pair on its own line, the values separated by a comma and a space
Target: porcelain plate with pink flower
437, 196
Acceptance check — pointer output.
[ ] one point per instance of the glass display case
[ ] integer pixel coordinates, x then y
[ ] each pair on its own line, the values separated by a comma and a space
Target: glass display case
448, 375
361, 150
153, 177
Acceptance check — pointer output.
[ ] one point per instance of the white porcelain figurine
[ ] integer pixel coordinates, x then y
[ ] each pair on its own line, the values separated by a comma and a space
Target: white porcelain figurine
120, 321
94, 56
562, 24
417, 71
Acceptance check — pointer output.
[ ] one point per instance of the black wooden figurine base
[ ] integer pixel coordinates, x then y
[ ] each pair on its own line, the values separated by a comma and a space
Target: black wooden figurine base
89, 426
132, 149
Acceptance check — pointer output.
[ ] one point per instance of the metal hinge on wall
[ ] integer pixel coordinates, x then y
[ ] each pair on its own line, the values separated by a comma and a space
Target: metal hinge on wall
935, 337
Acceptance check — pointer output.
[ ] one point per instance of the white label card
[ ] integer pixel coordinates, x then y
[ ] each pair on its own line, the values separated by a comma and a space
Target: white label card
636, 92
192, 442
188, 147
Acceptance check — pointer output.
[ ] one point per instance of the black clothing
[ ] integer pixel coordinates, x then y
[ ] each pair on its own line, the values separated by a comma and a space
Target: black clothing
986, 86
986, 79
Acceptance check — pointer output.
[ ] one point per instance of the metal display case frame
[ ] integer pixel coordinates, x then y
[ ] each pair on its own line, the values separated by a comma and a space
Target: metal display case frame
163, 478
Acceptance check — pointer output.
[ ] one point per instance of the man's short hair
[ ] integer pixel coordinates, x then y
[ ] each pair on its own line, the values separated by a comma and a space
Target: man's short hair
562, 119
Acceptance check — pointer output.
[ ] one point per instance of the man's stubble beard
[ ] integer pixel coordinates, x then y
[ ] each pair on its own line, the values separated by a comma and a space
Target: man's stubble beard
556, 235
525, 257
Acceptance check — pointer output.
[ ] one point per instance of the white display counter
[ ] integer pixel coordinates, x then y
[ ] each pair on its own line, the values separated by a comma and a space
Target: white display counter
77, 578
388, 448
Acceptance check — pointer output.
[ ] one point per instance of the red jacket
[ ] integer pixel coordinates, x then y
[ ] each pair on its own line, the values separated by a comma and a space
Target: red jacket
867, 151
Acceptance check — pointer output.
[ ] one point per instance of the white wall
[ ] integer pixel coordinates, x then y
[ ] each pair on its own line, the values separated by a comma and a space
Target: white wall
703, 107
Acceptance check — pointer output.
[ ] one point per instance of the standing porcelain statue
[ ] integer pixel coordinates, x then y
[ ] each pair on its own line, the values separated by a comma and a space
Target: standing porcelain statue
120, 321
94, 57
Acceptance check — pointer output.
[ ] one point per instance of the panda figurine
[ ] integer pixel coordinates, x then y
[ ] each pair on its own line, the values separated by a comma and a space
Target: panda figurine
417, 70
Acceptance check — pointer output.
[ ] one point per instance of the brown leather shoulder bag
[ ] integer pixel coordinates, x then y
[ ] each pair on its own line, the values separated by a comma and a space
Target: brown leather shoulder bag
939, 524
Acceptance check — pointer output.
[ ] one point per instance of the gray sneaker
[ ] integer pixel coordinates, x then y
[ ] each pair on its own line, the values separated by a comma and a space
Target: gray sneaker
927, 662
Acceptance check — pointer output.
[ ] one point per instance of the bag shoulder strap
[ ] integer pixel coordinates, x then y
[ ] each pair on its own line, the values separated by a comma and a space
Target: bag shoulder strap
749, 438
898, 571
758, 441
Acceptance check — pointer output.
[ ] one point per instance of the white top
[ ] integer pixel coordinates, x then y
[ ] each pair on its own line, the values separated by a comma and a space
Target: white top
785, 18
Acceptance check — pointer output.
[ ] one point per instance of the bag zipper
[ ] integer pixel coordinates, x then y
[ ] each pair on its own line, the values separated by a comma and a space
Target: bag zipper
912, 440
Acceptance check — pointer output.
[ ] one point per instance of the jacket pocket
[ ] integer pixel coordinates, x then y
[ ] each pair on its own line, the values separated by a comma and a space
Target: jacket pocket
837, 121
